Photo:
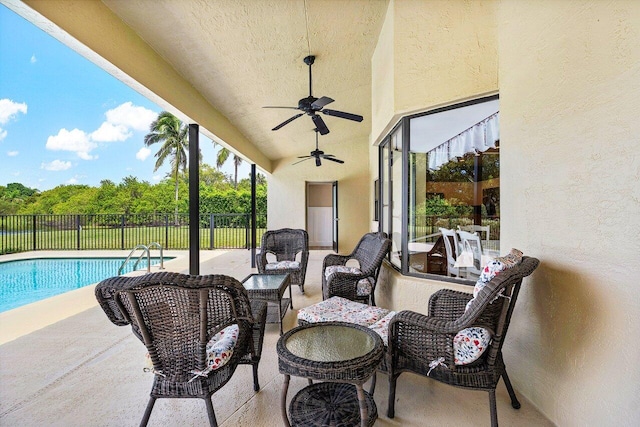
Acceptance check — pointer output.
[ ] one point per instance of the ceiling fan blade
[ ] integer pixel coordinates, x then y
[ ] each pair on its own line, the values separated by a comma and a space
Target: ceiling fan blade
318, 162
333, 159
300, 161
343, 115
320, 125
304, 157
321, 102
287, 121
288, 108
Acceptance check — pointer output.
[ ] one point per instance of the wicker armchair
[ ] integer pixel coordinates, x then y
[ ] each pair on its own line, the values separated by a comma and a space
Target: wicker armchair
285, 244
356, 284
424, 344
175, 316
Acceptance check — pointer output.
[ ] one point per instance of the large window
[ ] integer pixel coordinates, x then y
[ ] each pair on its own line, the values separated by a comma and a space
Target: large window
441, 170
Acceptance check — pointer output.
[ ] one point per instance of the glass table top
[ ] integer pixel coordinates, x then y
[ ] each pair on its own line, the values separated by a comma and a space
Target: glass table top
264, 281
330, 343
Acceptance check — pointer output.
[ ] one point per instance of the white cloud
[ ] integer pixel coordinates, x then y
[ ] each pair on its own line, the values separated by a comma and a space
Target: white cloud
75, 140
8, 109
72, 181
108, 132
131, 116
33, 59
143, 153
56, 165
119, 126
12, 153
157, 178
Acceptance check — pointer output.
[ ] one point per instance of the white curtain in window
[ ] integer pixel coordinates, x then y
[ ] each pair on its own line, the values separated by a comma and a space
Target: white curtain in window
476, 139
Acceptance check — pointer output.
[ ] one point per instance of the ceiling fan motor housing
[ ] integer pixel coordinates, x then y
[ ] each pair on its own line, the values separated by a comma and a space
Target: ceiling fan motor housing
305, 104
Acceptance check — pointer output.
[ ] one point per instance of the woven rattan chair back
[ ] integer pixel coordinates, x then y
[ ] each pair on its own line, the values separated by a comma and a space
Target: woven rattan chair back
369, 252
285, 244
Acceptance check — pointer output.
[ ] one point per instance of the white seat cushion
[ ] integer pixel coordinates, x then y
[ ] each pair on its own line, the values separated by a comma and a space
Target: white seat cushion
381, 327
282, 265
338, 309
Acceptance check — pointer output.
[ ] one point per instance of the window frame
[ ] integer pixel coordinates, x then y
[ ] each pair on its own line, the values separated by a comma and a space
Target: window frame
386, 170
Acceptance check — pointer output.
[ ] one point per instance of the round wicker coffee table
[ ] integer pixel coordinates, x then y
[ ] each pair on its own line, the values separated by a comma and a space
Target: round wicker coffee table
344, 354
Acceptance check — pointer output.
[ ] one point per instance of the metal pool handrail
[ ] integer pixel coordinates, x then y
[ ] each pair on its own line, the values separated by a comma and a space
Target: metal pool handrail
145, 250
159, 246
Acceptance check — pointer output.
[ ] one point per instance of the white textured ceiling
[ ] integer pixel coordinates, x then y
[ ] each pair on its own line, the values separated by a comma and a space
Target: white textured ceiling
242, 55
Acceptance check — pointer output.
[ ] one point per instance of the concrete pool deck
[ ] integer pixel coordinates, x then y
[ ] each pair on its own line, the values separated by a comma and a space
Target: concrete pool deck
82, 370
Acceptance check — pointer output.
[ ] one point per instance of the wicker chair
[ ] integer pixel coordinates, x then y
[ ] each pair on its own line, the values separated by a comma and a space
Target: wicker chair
285, 244
369, 252
175, 316
424, 344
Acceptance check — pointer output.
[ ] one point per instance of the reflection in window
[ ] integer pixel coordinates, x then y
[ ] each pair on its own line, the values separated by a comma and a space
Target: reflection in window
453, 172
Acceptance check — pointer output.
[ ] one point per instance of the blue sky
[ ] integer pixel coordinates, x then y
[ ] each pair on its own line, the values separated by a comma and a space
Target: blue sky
63, 120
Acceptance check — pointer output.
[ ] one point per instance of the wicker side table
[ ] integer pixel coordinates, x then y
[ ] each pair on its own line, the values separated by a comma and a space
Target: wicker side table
270, 288
344, 354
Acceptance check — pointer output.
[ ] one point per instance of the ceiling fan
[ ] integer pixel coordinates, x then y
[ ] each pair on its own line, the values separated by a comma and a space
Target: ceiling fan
317, 154
312, 105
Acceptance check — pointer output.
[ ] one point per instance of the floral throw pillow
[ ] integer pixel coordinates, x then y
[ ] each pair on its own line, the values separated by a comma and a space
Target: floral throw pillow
219, 350
469, 344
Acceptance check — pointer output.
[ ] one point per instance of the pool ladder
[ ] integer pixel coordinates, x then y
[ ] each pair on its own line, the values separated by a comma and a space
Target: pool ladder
145, 251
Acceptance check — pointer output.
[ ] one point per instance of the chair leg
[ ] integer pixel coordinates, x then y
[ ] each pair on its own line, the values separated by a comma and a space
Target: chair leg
512, 394
256, 384
492, 408
391, 409
372, 389
147, 412
210, 412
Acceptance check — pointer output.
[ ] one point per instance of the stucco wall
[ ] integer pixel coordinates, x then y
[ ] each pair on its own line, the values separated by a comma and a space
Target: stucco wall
570, 138
569, 84
286, 195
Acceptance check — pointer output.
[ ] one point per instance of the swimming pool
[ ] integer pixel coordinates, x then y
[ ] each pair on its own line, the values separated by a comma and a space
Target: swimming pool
26, 281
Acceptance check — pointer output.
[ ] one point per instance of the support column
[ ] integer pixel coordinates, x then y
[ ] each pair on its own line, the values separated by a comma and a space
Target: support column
253, 215
194, 199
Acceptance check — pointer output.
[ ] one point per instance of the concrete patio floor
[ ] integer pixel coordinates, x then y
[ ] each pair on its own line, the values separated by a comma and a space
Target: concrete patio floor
84, 371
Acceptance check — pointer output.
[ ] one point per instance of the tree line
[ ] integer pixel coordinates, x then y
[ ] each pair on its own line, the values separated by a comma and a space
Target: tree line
133, 196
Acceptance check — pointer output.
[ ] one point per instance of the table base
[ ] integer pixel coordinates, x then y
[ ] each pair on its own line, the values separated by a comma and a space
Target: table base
330, 404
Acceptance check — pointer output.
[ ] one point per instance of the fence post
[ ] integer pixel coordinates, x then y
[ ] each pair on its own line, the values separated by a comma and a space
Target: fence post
166, 231
122, 232
78, 229
246, 234
210, 231
34, 234
213, 230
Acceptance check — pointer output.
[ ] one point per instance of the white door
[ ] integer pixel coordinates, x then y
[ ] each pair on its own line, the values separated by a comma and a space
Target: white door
319, 214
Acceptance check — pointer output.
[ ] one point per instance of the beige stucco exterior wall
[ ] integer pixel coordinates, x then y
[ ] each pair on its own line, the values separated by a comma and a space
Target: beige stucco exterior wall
429, 54
569, 84
286, 206
570, 109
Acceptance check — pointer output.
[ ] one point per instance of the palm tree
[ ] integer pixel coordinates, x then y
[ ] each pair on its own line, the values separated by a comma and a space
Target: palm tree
223, 156
174, 136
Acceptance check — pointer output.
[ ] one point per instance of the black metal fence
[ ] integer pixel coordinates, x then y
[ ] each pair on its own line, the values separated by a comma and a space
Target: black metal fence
20, 233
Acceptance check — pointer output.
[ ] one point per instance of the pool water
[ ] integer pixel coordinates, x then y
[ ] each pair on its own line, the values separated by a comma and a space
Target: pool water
26, 281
